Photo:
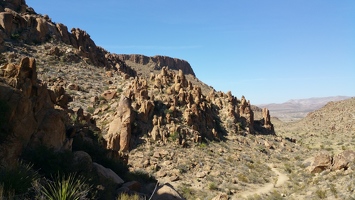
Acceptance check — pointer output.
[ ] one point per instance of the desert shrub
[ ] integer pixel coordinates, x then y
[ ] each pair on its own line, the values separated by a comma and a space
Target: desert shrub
140, 176
334, 190
119, 90
212, 186
288, 168
62, 187
125, 196
174, 136
15, 36
254, 197
322, 194
187, 191
182, 169
202, 145
90, 110
48, 161
274, 195
242, 178
17, 180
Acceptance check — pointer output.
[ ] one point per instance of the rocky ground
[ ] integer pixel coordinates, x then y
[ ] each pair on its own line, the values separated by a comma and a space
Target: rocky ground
154, 114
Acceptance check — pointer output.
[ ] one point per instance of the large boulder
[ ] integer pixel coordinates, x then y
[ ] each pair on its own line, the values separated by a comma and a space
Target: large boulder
106, 174
319, 163
343, 160
166, 192
119, 132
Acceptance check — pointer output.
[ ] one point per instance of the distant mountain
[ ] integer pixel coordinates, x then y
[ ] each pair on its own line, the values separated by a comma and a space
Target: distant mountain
296, 109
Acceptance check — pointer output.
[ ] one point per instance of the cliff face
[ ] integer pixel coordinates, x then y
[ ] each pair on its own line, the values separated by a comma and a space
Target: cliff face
159, 62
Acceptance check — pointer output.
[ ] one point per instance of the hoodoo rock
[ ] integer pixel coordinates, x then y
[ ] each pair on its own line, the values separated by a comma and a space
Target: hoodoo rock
30, 116
119, 133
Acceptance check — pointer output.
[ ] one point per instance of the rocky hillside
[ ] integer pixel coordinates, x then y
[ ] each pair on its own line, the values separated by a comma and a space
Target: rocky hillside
156, 63
138, 127
61, 92
296, 109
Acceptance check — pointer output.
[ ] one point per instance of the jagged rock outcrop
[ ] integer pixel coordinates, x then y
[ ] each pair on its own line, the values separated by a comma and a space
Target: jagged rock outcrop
247, 113
267, 122
29, 116
20, 22
159, 62
119, 134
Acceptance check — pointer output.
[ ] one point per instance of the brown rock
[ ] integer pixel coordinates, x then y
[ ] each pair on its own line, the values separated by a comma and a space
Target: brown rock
119, 132
342, 160
321, 162
161, 174
82, 161
108, 94
166, 192
221, 197
63, 31
174, 177
133, 186
106, 174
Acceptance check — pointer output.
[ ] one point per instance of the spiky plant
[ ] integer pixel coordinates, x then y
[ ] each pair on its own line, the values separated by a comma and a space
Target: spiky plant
17, 180
70, 187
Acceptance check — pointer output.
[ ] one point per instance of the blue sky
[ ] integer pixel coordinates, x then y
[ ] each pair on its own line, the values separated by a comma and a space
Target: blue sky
270, 51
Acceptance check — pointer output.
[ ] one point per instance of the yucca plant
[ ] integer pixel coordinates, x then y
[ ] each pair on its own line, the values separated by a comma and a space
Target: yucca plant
70, 187
17, 180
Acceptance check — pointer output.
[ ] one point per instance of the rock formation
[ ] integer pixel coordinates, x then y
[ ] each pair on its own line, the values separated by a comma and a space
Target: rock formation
159, 62
323, 161
30, 115
119, 134
21, 23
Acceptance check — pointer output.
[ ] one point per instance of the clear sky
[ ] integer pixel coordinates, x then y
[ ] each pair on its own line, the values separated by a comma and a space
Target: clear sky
270, 51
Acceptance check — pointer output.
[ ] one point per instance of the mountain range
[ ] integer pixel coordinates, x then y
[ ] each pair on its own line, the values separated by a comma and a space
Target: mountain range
296, 109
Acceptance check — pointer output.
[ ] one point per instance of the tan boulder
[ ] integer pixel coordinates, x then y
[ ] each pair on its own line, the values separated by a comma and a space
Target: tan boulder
319, 163
166, 192
106, 174
221, 197
343, 160
146, 110
119, 132
51, 130
109, 94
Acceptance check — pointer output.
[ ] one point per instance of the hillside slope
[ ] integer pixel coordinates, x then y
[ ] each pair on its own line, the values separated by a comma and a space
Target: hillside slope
297, 109
127, 124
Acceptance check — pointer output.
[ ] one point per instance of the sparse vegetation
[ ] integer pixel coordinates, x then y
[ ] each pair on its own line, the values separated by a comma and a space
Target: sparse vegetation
62, 187
17, 181
125, 196
321, 194
212, 186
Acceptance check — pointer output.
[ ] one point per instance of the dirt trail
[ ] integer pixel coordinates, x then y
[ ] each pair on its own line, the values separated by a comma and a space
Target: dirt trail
281, 179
